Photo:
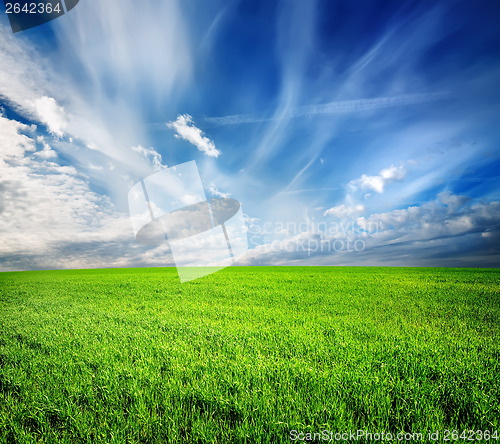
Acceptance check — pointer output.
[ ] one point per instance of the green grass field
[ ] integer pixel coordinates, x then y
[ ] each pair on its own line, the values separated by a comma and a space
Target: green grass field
246, 354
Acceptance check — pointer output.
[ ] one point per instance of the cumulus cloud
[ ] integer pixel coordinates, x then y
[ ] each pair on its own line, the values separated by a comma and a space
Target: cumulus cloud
46, 153
430, 221
45, 205
12, 142
50, 114
469, 234
452, 201
378, 183
187, 130
372, 183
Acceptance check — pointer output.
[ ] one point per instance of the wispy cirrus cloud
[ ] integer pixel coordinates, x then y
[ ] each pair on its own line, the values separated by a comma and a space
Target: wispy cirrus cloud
151, 153
30, 85
91, 90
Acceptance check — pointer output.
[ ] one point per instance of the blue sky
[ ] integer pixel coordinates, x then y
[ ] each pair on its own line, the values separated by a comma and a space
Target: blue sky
353, 133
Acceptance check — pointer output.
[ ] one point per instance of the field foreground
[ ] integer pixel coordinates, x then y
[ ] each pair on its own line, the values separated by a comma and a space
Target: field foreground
247, 354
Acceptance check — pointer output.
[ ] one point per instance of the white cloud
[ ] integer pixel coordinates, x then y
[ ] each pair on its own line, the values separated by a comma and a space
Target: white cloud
113, 47
46, 153
373, 183
96, 167
432, 220
190, 199
215, 192
12, 143
378, 183
342, 211
186, 130
151, 153
20, 77
51, 114
428, 234
393, 173
452, 201
44, 205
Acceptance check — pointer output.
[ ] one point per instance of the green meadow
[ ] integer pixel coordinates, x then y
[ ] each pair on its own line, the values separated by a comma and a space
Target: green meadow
248, 354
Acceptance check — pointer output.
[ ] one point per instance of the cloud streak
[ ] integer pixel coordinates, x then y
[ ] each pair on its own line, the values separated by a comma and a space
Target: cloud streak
337, 107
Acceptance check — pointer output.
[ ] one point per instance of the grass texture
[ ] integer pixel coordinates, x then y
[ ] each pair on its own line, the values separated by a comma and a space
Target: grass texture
247, 354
